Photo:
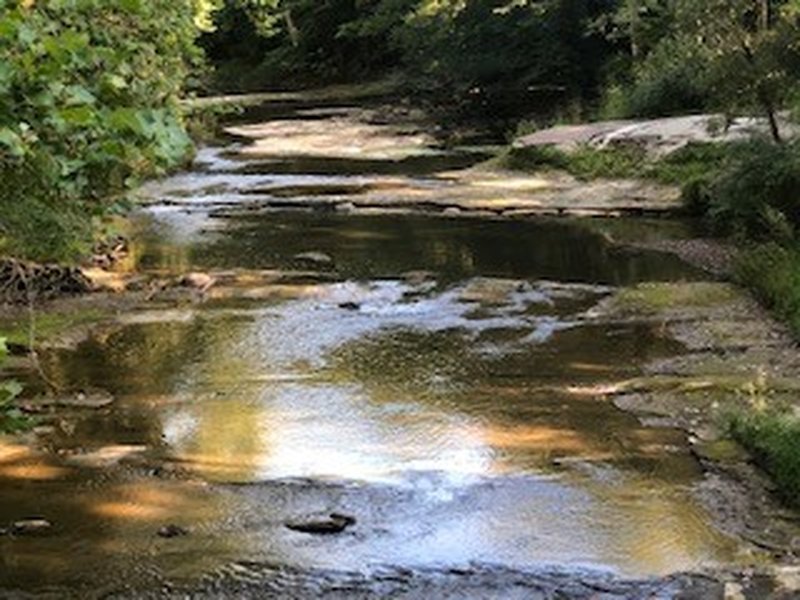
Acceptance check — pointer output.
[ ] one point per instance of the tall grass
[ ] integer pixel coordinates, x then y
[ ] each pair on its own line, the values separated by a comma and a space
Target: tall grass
773, 438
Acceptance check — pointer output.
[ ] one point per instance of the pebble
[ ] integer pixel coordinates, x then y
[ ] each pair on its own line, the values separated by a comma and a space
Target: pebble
332, 524
32, 526
172, 531
314, 257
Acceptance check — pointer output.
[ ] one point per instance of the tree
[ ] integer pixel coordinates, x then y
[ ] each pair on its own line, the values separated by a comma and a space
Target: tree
755, 50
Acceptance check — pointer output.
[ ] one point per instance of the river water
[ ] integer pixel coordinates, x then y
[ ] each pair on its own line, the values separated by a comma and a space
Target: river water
437, 379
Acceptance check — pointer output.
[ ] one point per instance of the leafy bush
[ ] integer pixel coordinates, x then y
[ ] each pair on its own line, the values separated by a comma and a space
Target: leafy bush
773, 437
685, 167
671, 80
88, 106
772, 271
757, 192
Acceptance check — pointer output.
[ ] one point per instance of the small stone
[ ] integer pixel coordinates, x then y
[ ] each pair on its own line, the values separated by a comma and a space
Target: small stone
32, 526
94, 399
734, 591
346, 207
198, 281
314, 257
350, 306
172, 531
332, 524
452, 211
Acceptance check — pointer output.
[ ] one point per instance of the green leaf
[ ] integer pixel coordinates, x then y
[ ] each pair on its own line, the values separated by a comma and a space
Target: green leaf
78, 95
79, 115
11, 142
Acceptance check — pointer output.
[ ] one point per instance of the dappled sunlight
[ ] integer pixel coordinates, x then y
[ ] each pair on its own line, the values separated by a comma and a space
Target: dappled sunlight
338, 137
144, 501
540, 438
32, 472
658, 527
20, 462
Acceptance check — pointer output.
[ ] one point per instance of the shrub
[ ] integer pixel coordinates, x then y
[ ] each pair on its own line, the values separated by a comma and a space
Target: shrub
671, 80
689, 166
757, 192
773, 438
772, 271
88, 106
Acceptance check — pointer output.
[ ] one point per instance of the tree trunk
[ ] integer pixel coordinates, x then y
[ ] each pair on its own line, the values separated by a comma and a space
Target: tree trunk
294, 33
633, 8
772, 118
764, 15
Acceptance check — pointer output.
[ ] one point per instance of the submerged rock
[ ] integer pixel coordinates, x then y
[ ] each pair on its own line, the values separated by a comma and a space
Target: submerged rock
325, 525
319, 258
172, 531
31, 526
91, 399
198, 281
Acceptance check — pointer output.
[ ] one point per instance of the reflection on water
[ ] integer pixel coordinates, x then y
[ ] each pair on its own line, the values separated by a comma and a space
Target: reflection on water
383, 246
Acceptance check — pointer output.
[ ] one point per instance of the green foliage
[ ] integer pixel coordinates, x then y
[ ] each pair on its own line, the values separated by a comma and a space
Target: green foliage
585, 163
11, 418
88, 93
772, 271
691, 163
672, 79
738, 56
757, 194
482, 56
772, 436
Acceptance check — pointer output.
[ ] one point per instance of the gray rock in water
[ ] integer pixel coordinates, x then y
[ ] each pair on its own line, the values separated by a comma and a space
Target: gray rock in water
332, 524
92, 399
31, 526
172, 531
198, 281
319, 258
350, 306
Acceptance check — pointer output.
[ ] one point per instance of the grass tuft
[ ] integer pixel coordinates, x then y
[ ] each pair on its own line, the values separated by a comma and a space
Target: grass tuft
773, 439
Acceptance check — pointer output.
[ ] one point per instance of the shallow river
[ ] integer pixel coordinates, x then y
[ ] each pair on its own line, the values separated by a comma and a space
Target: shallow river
434, 378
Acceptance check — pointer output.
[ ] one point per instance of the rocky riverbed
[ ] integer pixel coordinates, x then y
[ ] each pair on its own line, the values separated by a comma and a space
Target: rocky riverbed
315, 376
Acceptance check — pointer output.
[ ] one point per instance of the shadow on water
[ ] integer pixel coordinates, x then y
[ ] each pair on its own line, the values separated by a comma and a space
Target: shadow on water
388, 246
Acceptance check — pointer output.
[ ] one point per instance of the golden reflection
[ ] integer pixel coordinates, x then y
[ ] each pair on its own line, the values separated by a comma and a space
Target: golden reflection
659, 530
32, 472
23, 463
12, 452
593, 367
535, 437
144, 501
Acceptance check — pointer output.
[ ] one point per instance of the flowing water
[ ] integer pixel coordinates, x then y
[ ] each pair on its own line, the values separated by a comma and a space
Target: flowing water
436, 379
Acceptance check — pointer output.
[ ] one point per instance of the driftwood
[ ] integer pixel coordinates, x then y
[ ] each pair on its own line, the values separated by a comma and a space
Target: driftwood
22, 282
